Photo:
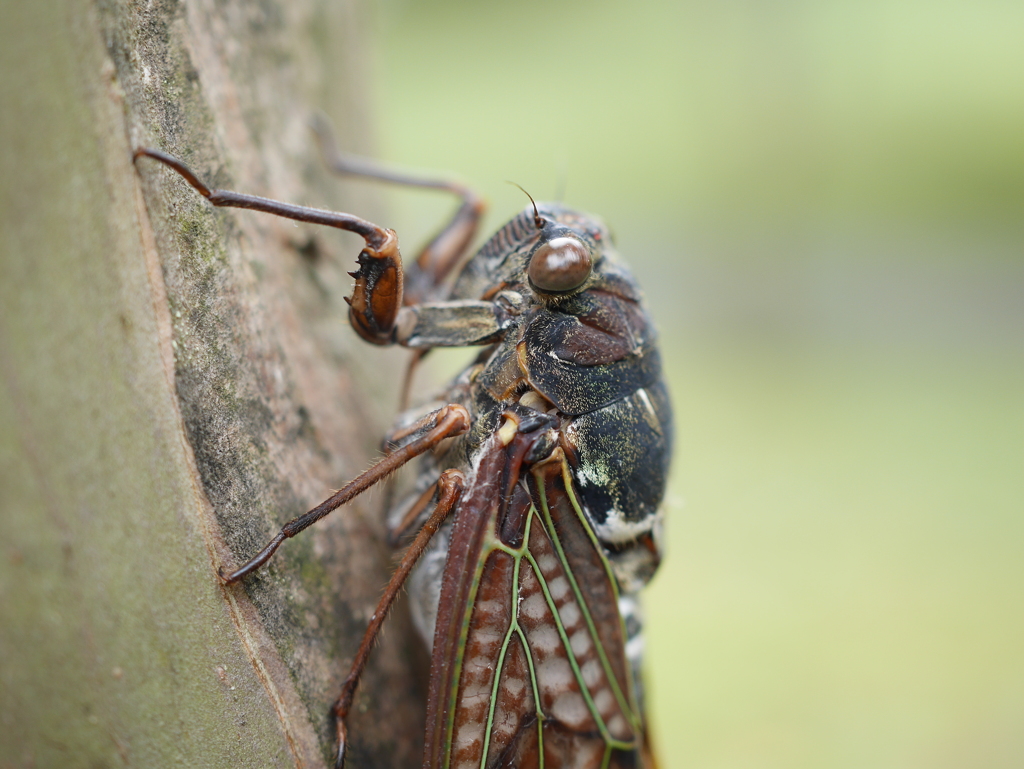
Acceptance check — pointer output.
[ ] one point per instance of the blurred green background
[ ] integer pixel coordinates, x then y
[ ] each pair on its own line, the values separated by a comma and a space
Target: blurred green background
825, 204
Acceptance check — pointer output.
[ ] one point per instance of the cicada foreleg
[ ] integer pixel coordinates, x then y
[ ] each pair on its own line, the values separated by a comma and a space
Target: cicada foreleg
446, 422
448, 490
380, 290
379, 280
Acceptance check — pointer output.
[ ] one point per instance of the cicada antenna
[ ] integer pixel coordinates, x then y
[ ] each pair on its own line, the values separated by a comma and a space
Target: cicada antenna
538, 220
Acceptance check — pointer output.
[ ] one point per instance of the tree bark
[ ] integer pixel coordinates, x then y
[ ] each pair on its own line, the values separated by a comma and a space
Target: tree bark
178, 381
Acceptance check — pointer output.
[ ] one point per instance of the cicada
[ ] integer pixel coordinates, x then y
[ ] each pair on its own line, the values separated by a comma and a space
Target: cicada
536, 508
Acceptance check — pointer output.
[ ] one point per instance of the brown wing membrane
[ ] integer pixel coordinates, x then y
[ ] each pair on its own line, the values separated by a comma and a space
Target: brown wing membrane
529, 665
466, 555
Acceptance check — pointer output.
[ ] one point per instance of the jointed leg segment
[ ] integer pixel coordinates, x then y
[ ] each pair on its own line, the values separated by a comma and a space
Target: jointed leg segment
379, 289
446, 422
449, 489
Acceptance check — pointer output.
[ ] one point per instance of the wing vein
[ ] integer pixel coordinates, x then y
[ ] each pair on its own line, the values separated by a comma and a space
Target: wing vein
625, 702
512, 627
571, 656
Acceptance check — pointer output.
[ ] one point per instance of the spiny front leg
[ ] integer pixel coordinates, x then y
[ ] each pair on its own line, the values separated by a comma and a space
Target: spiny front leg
373, 308
377, 297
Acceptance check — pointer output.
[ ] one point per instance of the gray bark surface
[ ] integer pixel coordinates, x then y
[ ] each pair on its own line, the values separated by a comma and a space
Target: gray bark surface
176, 382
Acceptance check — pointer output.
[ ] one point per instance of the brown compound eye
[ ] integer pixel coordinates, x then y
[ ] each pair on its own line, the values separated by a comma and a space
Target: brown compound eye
559, 266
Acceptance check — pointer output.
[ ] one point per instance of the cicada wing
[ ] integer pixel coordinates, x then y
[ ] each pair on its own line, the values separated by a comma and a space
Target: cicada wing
591, 718
529, 662
466, 569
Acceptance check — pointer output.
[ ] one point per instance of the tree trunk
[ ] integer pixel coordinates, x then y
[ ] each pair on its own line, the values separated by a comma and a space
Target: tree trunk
178, 381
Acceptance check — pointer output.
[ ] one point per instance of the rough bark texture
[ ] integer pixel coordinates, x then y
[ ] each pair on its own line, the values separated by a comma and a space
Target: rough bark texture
177, 381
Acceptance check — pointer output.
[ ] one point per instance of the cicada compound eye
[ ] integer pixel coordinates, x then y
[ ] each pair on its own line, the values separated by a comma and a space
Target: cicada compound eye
560, 266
